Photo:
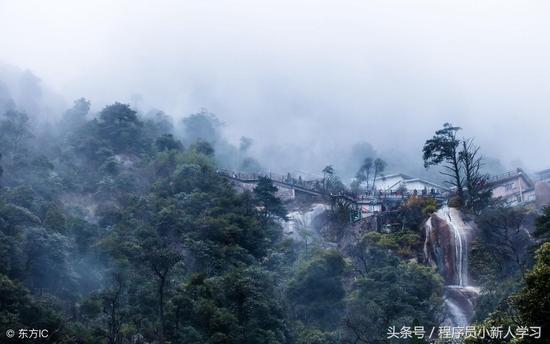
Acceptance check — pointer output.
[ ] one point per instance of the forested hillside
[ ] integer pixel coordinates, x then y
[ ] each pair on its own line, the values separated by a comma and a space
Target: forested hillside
116, 227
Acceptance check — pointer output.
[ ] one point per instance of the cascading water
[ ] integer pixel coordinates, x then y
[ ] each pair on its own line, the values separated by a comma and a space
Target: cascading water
301, 222
446, 247
461, 247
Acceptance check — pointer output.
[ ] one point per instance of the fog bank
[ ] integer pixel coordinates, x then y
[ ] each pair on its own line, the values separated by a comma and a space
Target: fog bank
305, 80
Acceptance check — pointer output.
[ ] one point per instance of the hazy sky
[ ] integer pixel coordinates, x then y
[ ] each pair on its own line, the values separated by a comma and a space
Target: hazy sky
318, 75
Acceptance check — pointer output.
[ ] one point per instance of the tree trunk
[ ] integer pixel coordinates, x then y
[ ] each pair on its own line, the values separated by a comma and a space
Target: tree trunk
456, 171
374, 180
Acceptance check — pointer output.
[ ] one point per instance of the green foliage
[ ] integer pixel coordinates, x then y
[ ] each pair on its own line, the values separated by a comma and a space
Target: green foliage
23, 196
271, 205
391, 293
203, 126
316, 336
120, 127
239, 306
379, 167
533, 301
495, 297
331, 182
111, 232
405, 243
462, 164
527, 307
477, 190
55, 219
442, 148
502, 235
76, 116
500, 319
250, 165
203, 147
19, 310
110, 222
167, 142
542, 225
14, 129
415, 211
364, 171
483, 266
456, 202
316, 290
518, 300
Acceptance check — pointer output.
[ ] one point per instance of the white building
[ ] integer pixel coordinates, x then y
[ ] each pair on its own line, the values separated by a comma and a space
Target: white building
514, 187
402, 182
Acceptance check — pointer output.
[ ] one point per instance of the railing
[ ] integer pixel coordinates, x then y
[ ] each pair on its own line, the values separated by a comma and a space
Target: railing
311, 185
315, 186
504, 175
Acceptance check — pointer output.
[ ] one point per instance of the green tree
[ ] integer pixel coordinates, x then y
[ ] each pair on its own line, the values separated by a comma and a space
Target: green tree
107, 310
167, 142
203, 126
504, 238
542, 225
272, 206
120, 126
46, 262
240, 306
443, 149
392, 294
328, 172
316, 290
203, 147
14, 129
475, 181
379, 167
363, 174
157, 254
533, 302
76, 115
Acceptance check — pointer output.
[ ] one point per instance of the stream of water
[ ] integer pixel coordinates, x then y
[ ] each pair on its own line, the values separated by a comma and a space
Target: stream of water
301, 222
459, 294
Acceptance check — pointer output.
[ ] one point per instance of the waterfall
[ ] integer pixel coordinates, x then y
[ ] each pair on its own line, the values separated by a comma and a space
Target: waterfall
428, 232
302, 221
460, 246
446, 248
458, 317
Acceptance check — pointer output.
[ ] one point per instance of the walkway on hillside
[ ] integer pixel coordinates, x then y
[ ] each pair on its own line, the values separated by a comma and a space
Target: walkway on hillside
353, 202
309, 187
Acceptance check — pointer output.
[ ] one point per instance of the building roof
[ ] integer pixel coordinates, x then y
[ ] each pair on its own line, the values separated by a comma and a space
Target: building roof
426, 182
389, 176
510, 175
409, 179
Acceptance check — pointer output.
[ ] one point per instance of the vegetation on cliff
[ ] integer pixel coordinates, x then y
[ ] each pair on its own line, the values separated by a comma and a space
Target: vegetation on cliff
116, 227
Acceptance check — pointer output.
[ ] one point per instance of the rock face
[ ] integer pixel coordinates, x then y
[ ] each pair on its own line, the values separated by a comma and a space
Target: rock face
460, 303
542, 194
446, 245
446, 248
